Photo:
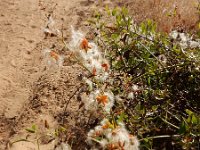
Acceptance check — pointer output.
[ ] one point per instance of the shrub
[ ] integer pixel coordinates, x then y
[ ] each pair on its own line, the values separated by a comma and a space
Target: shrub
155, 78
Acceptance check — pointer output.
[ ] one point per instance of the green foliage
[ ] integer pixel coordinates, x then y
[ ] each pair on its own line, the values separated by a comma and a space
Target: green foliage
166, 105
32, 129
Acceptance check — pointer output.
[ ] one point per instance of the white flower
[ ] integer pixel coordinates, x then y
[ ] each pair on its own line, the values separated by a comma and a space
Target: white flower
134, 143
50, 22
89, 102
183, 37
94, 52
105, 101
89, 55
194, 44
119, 134
174, 34
47, 31
130, 95
75, 42
104, 121
135, 87
117, 137
94, 66
96, 100
183, 45
89, 83
105, 65
110, 103
118, 98
103, 77
163, 59
103, 142
197, 68
52, 58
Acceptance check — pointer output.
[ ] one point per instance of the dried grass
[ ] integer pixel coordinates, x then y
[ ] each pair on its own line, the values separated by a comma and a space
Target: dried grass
169, 14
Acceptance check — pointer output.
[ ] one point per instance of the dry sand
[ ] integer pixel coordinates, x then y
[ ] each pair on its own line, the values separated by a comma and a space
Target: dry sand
29, 94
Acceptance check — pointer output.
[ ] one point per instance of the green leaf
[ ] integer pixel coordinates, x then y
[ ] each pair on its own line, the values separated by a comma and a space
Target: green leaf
108, 10
114, 12
124, 11
188, 119
194, 119
32, 129
189, 112
20, 140
114, 36
182, 128
154, 108
146, 139
62, 129
149, 80
122, 117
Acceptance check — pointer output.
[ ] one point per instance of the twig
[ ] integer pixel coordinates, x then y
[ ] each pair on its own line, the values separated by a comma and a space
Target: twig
38, 145
145, 37
167, 122
160, 136
74, 93
172, 114
152, 54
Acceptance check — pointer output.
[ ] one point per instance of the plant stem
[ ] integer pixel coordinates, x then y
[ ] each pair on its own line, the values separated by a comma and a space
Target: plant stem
169, 123
160, 136
38, 145
152, 54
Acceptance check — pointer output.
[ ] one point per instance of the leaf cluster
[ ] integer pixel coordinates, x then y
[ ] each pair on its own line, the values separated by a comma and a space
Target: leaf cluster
165, 110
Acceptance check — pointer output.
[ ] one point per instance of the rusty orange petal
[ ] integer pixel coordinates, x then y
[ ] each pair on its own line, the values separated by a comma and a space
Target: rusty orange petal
54, 55
85, 45
94, 71
112, 147
102, 99
105, 66
106, 126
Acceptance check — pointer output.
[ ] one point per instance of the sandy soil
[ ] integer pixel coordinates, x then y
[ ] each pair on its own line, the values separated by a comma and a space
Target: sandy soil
30, 93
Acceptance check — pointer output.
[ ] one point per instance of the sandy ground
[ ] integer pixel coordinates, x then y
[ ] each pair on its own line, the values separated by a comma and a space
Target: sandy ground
29, 92
25, 85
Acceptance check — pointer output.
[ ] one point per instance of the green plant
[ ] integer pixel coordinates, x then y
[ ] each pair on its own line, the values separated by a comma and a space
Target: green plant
38, 134
157, 80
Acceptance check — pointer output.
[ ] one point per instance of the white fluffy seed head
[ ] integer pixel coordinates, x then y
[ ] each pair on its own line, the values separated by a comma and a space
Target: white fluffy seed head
110, 103
135, 87
91, 58
76, 39
89, 102
130, 95
134, 143
117, 136
52, 59
89, 83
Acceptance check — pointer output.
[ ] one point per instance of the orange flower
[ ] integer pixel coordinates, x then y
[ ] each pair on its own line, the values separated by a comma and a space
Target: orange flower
54, 55
112, 146
106, 126
84, 45
121, 145
105, 66
97, 134
130, 135
102, 99
94, 71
